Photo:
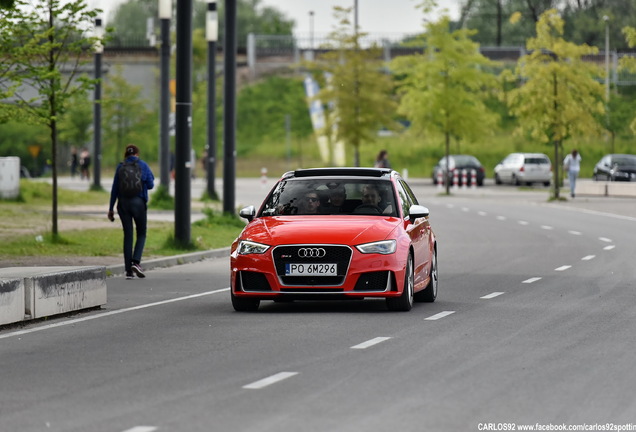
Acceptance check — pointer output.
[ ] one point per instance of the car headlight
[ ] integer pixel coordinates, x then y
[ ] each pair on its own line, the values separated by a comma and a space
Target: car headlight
247, 247
384, 247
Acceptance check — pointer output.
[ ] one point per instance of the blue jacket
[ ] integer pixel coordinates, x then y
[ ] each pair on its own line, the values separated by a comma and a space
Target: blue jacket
147, 179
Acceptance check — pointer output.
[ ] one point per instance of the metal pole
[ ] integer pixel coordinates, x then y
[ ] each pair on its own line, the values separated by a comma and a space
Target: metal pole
229, 129
212, 32
183, 164
311, 30
97, 108
607, 84
164, 135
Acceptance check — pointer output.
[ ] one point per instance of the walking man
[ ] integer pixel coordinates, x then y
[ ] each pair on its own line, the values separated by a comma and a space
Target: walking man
572, 165
133, 179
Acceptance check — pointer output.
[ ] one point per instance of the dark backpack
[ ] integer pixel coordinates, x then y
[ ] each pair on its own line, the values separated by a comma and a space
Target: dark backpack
130, 184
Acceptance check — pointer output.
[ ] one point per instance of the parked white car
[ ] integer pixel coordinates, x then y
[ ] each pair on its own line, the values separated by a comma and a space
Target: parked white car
524, 168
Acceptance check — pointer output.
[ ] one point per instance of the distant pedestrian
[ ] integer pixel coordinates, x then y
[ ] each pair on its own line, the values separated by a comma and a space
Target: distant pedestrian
85, 164
382, 160
572, 165
133, 179
74, 162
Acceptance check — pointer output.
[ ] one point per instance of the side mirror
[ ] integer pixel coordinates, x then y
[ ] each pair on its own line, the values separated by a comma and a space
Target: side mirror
418, 211
248, 213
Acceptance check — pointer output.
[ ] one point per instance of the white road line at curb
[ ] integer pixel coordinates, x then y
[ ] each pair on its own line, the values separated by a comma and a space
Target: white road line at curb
142, 429
588, 257
107, 314
562, 268
439, 315
531, 280
370, 343
269, 380
491, 295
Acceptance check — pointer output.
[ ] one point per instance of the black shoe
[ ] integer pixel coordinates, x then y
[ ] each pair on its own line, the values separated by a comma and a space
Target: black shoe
138, 270
130, 275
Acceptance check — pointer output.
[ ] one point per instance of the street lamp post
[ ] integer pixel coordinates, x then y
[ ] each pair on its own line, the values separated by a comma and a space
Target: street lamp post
607, 83
212, 35
97, 105
311, 30
165, 14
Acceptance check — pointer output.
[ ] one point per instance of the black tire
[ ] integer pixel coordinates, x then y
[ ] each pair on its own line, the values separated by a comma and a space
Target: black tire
242, 304
404, 303
429, 294
497, 179
546, 184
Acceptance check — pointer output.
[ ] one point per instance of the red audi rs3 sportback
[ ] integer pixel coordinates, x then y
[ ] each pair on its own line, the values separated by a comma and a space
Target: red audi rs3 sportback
336, 233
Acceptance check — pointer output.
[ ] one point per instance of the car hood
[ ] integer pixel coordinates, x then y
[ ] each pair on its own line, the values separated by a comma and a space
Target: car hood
348, 229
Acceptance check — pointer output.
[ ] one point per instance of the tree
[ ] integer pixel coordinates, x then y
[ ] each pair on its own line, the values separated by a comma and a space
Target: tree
444, 89
124, 116
39, 39
357, 86
76, 124
629, 63
560, 96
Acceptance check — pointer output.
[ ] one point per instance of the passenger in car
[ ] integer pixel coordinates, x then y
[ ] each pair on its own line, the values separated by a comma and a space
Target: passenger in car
337, 202
310, 203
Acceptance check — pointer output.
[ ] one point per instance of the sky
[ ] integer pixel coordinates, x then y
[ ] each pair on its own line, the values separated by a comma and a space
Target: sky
374, 16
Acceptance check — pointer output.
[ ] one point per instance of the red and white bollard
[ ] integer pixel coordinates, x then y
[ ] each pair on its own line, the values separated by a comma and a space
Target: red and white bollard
263, 177
440, 179
464, 178
473, 179
455, 179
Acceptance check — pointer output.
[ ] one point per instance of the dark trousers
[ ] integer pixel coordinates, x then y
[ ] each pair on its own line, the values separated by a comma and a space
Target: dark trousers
133, 210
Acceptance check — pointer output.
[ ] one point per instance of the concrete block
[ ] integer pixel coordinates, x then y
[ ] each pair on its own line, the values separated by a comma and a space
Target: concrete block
56, 290
11, 300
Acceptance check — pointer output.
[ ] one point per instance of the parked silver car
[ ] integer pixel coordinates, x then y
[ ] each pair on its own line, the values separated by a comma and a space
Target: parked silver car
524, 168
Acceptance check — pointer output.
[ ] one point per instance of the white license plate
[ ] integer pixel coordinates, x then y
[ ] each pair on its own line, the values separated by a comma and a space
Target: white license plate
311, 269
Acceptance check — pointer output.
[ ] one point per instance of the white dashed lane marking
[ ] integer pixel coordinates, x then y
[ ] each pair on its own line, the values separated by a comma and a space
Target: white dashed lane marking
522, 222
439, 315
531, 280
609, 247
562, 268
605, 239
501, 218
546, 227
588, 257
491, 295
370, 343
269, 380
575, 232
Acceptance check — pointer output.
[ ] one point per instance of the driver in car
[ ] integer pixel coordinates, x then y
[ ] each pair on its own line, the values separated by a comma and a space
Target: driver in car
371, 198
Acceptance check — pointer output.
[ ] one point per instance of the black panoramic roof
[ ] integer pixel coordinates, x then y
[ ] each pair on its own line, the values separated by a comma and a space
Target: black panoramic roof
339, 171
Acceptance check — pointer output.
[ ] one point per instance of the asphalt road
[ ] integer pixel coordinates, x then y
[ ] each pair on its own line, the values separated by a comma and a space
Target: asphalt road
534, 324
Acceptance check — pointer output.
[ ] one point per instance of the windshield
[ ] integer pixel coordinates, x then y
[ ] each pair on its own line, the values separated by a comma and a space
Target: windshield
329, 196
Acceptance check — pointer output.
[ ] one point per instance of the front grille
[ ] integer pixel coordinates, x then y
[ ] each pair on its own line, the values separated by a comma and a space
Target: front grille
252, 281
340, 255
373, 281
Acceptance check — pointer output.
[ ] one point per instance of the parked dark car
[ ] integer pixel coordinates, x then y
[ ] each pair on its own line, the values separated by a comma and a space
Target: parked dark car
616, 167
458, 165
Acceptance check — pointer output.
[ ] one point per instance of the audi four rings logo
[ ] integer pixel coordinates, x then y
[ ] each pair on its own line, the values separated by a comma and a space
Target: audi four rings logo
311, 252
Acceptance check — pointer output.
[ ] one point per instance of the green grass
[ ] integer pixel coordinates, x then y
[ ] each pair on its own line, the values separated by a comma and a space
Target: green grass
26, 230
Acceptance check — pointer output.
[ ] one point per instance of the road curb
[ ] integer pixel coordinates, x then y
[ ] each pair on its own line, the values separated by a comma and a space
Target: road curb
118, 269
